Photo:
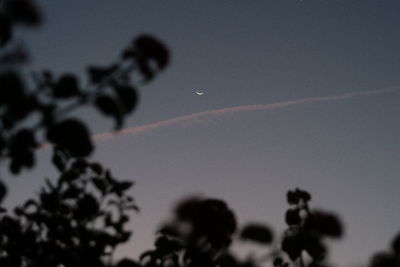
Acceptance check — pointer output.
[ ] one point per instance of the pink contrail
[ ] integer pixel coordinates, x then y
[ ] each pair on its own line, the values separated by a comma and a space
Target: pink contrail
218, 112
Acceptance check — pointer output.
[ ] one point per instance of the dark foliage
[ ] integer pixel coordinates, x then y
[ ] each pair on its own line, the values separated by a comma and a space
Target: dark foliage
389, 258
200, 231
308, 229
33, 116
111, 92
78, 221
257, 233
302, 243
80, 218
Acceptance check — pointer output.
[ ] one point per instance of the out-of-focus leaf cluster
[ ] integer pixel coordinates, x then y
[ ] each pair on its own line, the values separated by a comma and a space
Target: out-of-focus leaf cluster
36, 112
110, 91
200, 231
77, 221
15, 13
304, 241
308, 229
389, 258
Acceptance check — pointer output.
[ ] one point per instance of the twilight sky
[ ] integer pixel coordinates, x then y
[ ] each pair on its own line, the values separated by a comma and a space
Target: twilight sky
344, 151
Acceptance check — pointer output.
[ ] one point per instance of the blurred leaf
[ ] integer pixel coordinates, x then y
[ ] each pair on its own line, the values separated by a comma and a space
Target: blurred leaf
24, 139
384, 260
395, 244
100, 184
132, 207
12, 88
278, 261
292, 197
304, 195
72, 192
169, 231
16, 55
72, 135
70, 175
108, 106
49, 201
5, 30
60, 158
22, 159
21, 150
98, 74
128, 97
18, 111
292, 245
314, 247
128, 53
150, 48
120, 187
145, 69
97, 168
324, 223
257, 233
66, 87
292, 217
3, 191
87, 207
79, 165
23, 11
123, 186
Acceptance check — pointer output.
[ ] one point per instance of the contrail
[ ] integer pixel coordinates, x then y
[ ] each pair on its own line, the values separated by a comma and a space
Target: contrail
218, 112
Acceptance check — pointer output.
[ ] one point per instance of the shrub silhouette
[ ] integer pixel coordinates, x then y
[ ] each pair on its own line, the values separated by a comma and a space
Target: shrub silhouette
200, 231
301, 244
80, 220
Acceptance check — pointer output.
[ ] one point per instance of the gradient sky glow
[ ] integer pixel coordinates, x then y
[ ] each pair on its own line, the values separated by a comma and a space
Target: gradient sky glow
244, 53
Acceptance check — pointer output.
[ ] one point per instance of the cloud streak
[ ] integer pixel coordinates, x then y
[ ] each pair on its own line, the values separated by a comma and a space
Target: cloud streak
136, 130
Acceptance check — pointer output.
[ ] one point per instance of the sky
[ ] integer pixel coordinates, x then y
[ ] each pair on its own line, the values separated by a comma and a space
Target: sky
343, 150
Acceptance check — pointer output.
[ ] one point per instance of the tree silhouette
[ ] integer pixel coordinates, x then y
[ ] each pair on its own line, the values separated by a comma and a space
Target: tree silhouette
31, 117
79, 219
201, 230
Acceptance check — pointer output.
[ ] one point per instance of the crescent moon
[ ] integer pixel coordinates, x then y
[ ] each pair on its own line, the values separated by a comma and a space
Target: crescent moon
199, 93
